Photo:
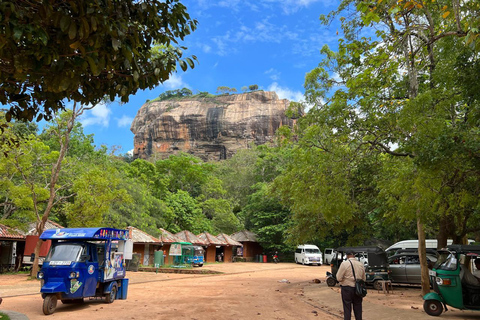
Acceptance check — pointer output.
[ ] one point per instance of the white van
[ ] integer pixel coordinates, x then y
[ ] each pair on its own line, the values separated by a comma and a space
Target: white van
328, 255
413, 244
308, 254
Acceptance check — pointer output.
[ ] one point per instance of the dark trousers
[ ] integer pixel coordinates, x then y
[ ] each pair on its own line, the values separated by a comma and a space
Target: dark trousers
348, 298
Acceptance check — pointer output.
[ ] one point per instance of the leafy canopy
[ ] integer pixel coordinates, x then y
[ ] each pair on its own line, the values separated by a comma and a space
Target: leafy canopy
85, 50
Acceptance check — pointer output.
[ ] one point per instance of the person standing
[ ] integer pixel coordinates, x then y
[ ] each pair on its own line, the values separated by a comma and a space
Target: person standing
347, 285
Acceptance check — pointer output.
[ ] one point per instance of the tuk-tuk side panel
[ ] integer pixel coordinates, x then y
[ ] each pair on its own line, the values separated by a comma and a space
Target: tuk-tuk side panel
452, 294
91, 273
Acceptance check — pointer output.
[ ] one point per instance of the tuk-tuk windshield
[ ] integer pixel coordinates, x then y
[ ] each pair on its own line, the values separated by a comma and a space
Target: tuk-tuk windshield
312, 251
65, 252
446, 261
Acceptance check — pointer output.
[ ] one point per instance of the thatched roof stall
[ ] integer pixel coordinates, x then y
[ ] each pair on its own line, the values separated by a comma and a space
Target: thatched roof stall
144, 244
187, 236
251, 247
211, 243
12, 243
167, 238
229, 247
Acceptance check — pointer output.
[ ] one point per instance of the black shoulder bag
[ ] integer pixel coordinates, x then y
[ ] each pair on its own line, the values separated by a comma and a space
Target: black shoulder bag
360, 286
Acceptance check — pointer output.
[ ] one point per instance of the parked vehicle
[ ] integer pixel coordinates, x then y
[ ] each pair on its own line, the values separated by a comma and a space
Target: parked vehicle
185, 253
83, 262
452, 285
275, 257
328, 255
413, 244
405, 267
376, 267
308, 254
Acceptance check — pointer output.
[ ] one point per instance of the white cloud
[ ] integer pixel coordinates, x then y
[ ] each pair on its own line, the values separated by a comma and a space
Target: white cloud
124, 121
130, 152
99, 115
286, 93
175, 82
273, 73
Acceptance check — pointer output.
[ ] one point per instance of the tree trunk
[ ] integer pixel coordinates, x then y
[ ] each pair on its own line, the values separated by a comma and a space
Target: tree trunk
442, 235
422, 255
56, 168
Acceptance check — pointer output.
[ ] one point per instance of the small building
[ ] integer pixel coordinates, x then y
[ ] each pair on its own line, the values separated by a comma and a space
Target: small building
32, 237
12, 243
144, 244
251, 247
230, 245
167, 238
212, 243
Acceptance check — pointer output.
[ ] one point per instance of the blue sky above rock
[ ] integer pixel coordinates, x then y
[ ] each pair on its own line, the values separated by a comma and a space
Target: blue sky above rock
271, 43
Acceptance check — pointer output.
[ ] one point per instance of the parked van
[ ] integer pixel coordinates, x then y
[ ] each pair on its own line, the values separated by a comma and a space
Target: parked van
308, 254
413, 244
328, 254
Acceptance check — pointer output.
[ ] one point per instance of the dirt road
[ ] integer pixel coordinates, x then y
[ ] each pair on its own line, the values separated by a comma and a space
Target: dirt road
244, 291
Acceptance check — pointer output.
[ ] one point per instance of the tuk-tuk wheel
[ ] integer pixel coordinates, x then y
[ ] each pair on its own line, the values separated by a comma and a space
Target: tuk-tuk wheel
112, 295
331, 282
433, 307
49, 304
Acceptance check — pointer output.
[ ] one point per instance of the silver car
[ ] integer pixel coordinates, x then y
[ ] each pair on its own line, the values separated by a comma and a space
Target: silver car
405, 267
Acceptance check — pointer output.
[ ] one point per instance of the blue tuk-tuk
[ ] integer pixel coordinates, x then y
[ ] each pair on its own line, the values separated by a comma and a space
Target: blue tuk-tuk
185, 253
83, 262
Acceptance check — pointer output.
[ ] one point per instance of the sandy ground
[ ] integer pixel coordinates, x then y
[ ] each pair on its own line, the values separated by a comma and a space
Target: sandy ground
243, 291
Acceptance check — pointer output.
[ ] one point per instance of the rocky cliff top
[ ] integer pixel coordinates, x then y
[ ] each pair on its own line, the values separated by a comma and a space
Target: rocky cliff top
212, 128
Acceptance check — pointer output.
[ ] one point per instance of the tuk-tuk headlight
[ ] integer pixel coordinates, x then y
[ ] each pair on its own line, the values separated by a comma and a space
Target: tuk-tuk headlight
73, 275
40, 275
439, 281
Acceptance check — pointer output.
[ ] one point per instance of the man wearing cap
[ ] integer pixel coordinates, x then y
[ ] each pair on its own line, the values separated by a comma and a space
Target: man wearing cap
347, 284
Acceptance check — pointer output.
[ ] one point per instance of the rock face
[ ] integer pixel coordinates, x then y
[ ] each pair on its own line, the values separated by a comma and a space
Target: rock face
209, 128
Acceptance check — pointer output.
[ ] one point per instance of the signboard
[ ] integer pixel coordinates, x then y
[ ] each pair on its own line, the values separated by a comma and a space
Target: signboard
175, 249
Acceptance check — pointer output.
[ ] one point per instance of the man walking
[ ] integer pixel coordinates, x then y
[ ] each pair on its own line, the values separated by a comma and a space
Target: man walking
347, 284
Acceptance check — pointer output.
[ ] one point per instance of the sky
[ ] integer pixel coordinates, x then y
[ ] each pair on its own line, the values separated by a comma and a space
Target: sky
270, 43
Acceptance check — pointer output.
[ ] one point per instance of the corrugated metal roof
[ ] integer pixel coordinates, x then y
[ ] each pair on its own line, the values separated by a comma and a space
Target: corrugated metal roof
32, 227
187, 236
10, 233
210, 239
228, 240
167, 237
139, 236
244, 235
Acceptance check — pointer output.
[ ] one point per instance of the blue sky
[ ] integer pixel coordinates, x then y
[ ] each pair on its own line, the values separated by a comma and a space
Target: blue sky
271, 43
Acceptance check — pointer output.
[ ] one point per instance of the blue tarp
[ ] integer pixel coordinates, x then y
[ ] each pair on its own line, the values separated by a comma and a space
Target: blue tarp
84, 234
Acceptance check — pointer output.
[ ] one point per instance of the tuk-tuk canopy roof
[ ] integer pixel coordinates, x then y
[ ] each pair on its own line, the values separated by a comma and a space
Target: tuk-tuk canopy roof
369, 249
84, 234
464, 248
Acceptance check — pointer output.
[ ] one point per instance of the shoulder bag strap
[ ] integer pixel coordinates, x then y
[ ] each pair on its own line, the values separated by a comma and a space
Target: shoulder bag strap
353, 270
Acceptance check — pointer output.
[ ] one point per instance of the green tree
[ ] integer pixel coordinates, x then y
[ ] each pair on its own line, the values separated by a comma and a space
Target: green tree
253, 87
268, 218
186, 214
396, 96
55, 51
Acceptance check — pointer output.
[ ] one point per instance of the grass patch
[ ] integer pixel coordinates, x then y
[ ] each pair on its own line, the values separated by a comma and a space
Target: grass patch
3, 316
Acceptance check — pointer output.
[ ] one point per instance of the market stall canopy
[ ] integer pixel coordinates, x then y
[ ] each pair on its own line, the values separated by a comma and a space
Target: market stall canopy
210, 239
244, 236
139, 236
228, 240
167, 236
187, 236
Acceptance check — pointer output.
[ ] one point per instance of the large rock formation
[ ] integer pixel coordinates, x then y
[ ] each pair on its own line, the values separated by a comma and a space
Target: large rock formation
212, 128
